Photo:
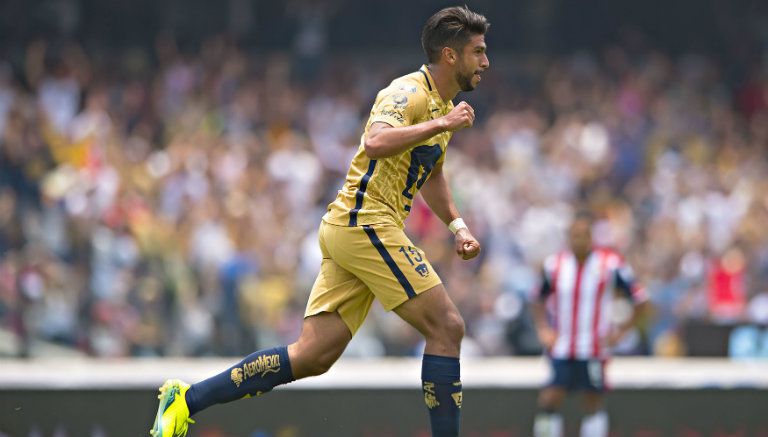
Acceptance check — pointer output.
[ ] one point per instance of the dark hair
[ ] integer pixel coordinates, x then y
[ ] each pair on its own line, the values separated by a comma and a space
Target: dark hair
451, 27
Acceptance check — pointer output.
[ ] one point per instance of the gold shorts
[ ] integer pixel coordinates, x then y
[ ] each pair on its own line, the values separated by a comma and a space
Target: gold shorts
363, 262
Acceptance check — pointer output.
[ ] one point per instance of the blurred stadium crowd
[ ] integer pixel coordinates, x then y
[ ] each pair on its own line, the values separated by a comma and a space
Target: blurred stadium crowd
164, 203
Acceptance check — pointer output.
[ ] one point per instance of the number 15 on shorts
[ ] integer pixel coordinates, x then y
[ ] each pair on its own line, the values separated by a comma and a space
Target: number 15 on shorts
415, 259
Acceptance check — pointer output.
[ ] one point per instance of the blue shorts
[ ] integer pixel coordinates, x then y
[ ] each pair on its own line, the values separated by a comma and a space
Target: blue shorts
578, 375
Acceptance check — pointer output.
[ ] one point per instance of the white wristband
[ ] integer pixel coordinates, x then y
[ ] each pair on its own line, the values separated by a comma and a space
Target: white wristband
457, 224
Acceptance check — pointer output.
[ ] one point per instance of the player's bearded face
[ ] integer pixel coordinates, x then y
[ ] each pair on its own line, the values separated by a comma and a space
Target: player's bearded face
465, 77
472, 61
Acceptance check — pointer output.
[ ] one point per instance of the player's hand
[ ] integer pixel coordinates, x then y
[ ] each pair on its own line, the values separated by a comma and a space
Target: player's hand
547, 338
461, 116
467, 246
615, 337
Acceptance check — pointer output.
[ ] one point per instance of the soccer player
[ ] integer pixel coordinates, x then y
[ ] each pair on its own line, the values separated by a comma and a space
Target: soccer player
579, 285
366, 254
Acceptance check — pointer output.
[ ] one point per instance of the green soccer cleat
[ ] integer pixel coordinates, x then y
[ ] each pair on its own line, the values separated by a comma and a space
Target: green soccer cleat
172, 418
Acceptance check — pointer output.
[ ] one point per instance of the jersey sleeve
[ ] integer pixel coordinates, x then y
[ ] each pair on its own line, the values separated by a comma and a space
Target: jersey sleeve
545, 288
398, 106
626, 285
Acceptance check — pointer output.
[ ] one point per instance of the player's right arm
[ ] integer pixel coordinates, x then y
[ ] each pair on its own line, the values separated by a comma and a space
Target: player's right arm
384, 140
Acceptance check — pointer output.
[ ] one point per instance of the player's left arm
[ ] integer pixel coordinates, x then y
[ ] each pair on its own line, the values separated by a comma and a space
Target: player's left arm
626, 285
437, 194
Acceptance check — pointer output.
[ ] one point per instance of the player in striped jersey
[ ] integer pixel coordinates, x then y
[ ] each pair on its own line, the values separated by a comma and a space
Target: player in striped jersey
366, 254
577, 287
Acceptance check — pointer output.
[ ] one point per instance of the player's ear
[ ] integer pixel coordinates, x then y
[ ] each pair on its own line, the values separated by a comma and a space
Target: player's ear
449, 55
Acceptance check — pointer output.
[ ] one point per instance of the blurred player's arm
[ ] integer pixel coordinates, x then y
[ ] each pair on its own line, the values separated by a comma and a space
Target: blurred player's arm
384, 140
547, 335
437, 193
626, 286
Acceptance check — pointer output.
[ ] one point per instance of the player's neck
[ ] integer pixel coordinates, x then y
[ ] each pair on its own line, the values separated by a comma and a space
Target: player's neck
582, 257
445, 82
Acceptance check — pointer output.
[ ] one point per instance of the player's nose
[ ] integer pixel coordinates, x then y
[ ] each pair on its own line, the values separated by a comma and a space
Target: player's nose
484, 62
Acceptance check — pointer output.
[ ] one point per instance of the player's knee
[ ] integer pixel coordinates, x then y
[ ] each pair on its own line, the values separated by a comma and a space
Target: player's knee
547, 403
311, 360
454, 327
550, 399
592, 404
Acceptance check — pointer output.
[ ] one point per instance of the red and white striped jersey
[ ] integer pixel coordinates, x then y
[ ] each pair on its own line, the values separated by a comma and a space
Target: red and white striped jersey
579, 296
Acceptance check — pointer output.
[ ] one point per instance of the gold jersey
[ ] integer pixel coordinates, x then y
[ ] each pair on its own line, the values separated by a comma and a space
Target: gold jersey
381, 191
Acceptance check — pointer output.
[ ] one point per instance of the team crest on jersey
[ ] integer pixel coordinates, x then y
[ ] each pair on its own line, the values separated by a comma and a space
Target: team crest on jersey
422, 269
237, 376
400, 100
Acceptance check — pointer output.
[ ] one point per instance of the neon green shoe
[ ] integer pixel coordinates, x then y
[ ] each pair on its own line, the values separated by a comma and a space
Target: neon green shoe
172, 417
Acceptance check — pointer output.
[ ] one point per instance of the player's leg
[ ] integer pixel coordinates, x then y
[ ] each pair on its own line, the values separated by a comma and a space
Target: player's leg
435, 316
595, 420
323, 338
402, 279
337, 306
548, 421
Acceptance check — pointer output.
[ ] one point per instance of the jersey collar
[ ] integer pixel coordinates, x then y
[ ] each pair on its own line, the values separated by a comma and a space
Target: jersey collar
432, 87
428, 77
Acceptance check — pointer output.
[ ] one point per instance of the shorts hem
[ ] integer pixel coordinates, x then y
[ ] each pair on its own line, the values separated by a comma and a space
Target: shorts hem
326, 309
405, 297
